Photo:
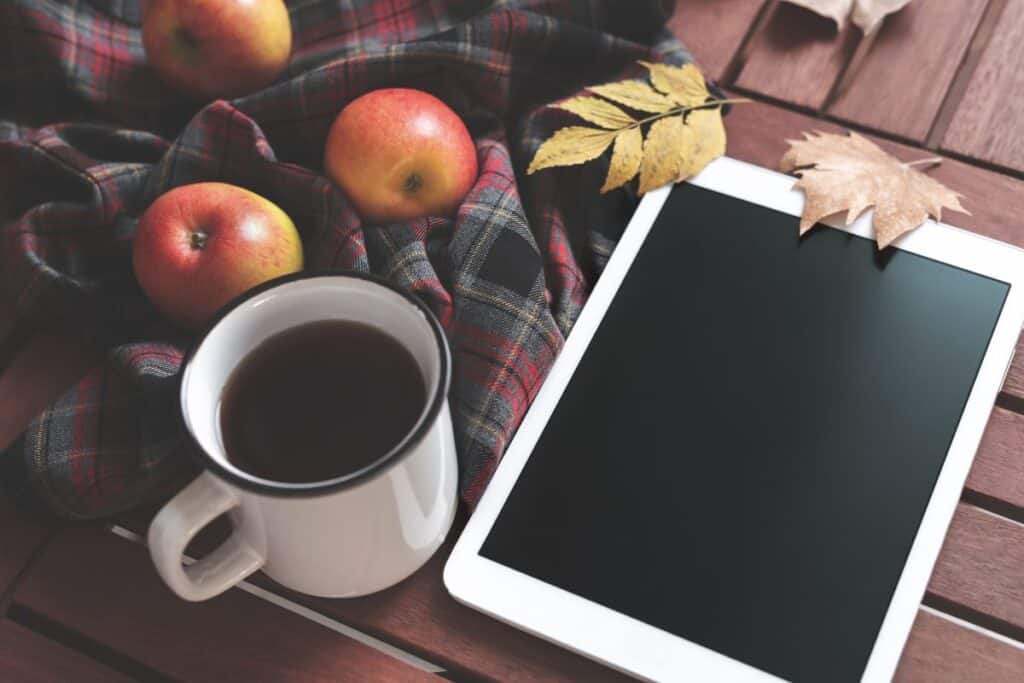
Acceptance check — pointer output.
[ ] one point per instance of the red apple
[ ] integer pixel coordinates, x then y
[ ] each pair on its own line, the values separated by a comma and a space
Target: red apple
399, 154
217, 48
199, 246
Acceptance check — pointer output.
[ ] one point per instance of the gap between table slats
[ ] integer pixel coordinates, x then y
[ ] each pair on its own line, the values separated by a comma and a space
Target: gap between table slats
927, 76
909, 65
978, 576
716, 31
987, 123
29, 657
943, 649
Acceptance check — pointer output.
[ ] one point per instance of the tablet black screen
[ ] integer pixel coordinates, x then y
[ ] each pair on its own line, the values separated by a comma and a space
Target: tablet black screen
745, 452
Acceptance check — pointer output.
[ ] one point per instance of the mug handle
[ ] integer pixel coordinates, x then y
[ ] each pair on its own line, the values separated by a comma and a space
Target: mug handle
179, 521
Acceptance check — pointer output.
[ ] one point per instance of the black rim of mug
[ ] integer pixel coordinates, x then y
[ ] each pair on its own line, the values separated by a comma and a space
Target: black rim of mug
256, 484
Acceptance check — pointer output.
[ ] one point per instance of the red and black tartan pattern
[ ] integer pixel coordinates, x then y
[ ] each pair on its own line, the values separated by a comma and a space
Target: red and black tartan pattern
89, 137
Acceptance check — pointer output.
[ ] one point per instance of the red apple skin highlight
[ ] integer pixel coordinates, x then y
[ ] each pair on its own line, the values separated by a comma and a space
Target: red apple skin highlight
217, 48
199, 246
399, 154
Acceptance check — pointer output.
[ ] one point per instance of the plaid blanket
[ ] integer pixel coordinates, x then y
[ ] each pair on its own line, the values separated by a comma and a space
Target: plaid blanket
89, 137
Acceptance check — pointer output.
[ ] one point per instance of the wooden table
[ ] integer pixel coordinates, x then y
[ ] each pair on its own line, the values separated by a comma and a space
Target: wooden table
84, 603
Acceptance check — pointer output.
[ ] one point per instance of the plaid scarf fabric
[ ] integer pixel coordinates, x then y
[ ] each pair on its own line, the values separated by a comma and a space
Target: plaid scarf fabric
89, 137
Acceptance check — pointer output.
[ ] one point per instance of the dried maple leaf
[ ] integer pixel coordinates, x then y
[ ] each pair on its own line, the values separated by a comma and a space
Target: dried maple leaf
685, 132
850, 173
867, 14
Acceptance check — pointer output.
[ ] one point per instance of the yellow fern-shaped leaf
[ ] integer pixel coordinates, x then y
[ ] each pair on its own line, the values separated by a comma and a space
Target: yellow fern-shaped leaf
662, 161
684, 84
597, 111
570, 146
635, 94
626, 155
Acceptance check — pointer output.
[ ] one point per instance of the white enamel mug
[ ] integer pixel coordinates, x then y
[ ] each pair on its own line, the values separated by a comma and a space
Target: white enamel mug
343, 537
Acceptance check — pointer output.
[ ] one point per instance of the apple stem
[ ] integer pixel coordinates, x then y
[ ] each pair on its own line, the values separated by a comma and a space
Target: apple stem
413, 183
188, 44
198, 240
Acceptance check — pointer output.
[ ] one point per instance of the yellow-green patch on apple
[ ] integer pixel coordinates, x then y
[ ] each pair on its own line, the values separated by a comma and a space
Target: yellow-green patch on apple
199, 246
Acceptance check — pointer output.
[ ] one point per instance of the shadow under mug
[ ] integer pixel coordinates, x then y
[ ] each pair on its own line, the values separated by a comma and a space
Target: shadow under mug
343, 537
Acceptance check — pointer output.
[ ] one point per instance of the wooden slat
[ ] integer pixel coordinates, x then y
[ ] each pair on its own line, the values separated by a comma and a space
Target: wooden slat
901, 82
28, 657
103, 586
20, 535
797, 57
998, 470
418, 615
713, 30
987, 122
1015, 377
941, 651
981, 566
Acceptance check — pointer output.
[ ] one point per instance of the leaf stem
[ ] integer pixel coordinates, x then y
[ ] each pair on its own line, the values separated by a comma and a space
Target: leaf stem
930, 161
683, 110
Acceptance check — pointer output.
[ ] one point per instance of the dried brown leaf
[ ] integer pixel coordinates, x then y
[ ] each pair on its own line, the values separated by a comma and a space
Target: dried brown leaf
684, 84
850, 173
663, 160
836, 10
635, 94
570, 146
867, 14
597, 111
626, 155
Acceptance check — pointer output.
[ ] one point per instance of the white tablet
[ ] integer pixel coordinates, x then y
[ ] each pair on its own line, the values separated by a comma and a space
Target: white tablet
743, 463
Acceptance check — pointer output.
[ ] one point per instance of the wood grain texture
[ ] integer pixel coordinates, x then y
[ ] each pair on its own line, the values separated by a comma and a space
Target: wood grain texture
900, 85
713, 30
27, 657
981, 566
419, 616
998, 470
104, 586
941, 651
20, 535
797, 57
987, 122
1015, 377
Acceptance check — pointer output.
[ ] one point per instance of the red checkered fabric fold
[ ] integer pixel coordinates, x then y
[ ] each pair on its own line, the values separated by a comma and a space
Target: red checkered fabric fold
89, 137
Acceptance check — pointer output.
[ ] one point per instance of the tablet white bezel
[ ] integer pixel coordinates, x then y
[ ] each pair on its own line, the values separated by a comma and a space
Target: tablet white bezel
637, 648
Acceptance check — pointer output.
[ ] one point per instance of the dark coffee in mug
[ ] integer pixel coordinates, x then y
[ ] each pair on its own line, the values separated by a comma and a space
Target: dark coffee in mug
320, 401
